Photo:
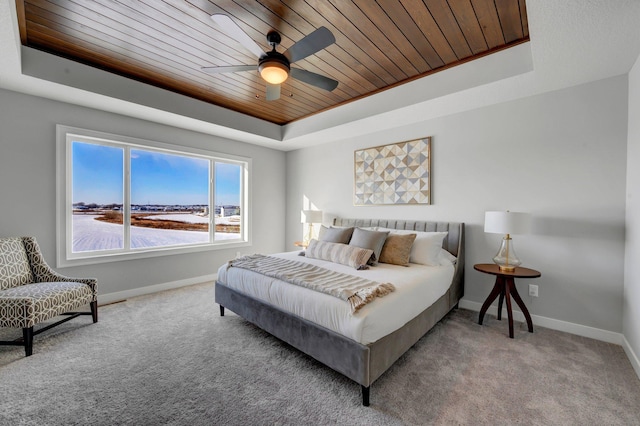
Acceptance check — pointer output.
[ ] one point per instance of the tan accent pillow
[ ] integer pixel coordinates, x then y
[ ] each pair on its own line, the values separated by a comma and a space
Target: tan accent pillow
397, 248
426, 248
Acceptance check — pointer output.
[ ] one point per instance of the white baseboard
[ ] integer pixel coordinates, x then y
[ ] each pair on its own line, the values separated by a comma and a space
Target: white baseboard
105, 299
633, 358
554, 324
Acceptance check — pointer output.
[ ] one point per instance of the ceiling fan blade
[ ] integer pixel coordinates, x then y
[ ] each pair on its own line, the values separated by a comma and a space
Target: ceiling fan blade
312, 43
273, 92
314, 79
230, 68
235, 32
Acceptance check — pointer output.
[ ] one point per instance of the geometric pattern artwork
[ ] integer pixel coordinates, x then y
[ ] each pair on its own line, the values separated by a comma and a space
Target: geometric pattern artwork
393, 174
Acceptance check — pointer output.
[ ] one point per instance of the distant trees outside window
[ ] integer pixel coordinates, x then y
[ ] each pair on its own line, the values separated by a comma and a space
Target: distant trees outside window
129, 197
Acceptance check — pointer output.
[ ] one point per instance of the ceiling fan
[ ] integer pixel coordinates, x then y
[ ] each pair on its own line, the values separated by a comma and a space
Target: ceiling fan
275, 67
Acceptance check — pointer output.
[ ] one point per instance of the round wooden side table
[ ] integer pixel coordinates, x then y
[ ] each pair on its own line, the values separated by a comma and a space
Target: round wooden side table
505, 287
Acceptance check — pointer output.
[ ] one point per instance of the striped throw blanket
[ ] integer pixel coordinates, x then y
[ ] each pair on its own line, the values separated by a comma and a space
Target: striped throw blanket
355, 290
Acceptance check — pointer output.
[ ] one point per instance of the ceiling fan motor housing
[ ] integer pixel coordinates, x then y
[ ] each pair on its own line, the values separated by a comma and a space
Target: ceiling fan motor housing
274, 57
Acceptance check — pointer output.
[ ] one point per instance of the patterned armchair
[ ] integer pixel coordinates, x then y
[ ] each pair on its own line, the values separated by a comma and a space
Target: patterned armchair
31, 292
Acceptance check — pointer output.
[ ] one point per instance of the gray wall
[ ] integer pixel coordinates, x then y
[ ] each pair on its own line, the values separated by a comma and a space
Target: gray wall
27, 188
560, 156
631, 311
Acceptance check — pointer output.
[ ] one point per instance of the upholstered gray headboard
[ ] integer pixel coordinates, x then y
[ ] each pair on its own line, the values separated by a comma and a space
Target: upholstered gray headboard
453, 243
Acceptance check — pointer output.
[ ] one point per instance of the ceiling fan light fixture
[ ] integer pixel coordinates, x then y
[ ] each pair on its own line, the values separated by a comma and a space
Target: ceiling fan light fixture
273, 70
275, 67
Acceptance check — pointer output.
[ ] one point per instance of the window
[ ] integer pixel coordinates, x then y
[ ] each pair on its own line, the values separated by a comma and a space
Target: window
123, 197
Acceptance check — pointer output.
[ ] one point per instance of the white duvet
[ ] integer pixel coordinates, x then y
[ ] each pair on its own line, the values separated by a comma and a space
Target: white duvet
417, 287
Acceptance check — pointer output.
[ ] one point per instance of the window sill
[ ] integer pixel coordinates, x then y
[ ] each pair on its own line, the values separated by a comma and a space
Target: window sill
144, 254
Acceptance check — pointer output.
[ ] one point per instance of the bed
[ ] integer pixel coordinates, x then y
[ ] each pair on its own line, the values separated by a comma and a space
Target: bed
356, 352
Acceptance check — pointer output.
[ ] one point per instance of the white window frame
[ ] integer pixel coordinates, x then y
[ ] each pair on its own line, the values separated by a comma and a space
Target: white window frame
65, 257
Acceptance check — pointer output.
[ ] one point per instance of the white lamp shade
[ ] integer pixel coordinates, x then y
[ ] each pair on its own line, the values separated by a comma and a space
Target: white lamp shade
311, 216
507, 222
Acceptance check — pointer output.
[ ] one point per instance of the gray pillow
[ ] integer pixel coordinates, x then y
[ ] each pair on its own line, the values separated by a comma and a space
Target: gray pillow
373, 240
335, 235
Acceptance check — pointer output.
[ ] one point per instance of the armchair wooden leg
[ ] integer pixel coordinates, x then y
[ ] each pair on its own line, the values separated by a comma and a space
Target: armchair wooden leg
27, 337
94, 311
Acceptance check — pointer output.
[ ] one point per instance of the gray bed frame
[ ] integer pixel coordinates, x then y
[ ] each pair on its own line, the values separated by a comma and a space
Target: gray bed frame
361, 363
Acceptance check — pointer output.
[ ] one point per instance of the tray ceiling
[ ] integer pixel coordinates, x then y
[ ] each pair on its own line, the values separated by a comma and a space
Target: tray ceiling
379, 44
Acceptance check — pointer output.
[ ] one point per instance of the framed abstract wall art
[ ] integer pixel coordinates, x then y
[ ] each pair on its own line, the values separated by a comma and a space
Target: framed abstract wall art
398, 173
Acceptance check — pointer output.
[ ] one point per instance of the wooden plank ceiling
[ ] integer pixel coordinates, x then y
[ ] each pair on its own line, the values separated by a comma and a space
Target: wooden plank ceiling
379, 44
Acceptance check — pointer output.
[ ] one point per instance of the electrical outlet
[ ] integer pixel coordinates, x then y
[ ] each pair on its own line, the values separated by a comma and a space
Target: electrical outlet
533, 290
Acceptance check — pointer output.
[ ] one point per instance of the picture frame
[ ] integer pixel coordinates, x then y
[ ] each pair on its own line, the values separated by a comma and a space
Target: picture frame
394, 174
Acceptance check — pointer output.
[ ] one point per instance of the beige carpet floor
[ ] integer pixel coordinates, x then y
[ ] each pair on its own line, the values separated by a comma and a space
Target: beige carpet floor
169, 358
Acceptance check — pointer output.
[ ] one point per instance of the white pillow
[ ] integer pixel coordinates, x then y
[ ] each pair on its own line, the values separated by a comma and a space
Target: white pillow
426, 248
447, 258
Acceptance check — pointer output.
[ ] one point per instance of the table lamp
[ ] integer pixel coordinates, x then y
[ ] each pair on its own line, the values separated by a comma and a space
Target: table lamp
507, 223
310, 217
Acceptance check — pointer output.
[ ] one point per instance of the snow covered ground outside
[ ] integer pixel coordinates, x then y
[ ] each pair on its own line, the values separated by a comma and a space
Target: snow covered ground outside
192, 218
90, 235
